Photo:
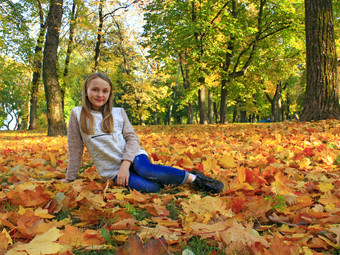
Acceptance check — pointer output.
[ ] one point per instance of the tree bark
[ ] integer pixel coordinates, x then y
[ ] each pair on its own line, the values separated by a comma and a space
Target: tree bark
202, 102
211, 106
55, 115
224, 102
37, 65
186, 84
99, 36
322, 90
201, 80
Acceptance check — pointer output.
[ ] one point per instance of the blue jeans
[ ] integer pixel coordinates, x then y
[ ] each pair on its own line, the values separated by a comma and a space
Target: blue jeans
147, 177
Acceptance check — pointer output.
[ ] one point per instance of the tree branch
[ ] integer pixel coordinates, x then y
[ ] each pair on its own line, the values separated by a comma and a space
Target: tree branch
119, 8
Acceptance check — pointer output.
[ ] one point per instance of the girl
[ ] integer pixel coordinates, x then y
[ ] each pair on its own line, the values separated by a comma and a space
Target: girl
109, 137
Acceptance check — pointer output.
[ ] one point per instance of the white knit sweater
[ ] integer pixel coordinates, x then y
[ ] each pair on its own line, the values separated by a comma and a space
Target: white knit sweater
107, 150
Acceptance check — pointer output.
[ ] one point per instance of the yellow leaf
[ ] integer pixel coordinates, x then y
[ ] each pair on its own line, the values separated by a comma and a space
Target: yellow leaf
53, 159
187, 163
325, 187
5, 239
210, 164
22, 210
42, 244
304, 163
43, 213
241, 173
227, 162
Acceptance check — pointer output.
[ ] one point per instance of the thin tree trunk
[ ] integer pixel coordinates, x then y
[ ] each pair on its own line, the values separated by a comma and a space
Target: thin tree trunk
186, 85
202, 102
37, 66
201, 80
322, 90
244, 118
55, 115
224, 102
69, 51
99, 35
275, 102
210, 106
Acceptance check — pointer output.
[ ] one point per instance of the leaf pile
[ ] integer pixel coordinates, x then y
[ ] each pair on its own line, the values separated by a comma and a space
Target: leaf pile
282, 193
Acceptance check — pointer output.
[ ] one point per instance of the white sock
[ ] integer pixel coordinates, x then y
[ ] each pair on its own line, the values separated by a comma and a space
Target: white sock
192, 178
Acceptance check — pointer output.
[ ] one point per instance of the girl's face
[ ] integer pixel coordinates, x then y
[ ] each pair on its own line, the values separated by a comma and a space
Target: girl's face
98, 92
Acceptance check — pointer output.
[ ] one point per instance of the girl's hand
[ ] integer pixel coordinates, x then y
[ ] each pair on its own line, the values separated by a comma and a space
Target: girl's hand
124, 173
65, 180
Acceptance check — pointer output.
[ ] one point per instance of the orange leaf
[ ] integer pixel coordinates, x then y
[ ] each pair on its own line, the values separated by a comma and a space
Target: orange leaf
72, 236
241, 174
126, 224
5, 239
134, 246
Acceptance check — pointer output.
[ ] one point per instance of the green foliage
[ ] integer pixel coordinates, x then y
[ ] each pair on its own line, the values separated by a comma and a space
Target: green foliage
201, 246
14, 84
216, 34
337, 161
137, 213
278, 202
94, 252
173, 209
156, 78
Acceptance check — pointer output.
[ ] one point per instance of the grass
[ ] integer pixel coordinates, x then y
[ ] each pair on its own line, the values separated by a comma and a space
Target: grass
201, 246
137, 213
174, 210
94, 252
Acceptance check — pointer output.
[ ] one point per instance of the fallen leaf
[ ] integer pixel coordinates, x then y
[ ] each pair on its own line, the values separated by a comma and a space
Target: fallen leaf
134, 246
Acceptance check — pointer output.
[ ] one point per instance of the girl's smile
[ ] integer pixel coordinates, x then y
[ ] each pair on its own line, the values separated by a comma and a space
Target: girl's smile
98, 92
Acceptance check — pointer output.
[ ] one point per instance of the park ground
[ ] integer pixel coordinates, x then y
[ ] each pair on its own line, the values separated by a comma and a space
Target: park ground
281, 196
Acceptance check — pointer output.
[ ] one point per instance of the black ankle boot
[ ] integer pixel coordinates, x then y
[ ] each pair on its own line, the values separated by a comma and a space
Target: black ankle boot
206, 183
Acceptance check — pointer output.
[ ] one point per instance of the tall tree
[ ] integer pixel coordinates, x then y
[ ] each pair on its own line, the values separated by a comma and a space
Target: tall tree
322, 90
53, 94
252, 24
70, 46
37, 66
102, 17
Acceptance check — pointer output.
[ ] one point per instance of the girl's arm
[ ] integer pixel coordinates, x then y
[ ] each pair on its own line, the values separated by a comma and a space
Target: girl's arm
124, 173
75, 148
131, 138
131, 150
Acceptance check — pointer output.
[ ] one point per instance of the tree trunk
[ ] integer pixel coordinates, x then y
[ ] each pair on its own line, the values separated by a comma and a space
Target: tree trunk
211, 106
322, 90
55, 115
69, 51
186, 85
190, 114
224, 102
244, 118
202, 105
155, 118
99, 35
201, 80
37, 65
216, 111
276, 102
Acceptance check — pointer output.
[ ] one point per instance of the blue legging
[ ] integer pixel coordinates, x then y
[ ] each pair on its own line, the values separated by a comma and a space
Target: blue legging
147, 177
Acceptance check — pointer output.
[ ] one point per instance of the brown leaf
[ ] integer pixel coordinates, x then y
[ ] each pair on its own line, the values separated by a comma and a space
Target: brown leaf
134, 246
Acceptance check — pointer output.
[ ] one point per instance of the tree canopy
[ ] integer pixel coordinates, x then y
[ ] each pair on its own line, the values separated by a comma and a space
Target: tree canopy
171, 62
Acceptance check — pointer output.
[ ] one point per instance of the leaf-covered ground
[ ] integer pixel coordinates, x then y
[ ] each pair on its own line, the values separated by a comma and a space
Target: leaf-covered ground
282, 193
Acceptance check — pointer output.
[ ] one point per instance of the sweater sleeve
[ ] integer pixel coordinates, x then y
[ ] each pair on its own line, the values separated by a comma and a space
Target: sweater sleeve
131, 138
75, 147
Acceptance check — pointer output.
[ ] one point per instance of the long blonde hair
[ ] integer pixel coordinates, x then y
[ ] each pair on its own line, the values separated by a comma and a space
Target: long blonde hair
106, 110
